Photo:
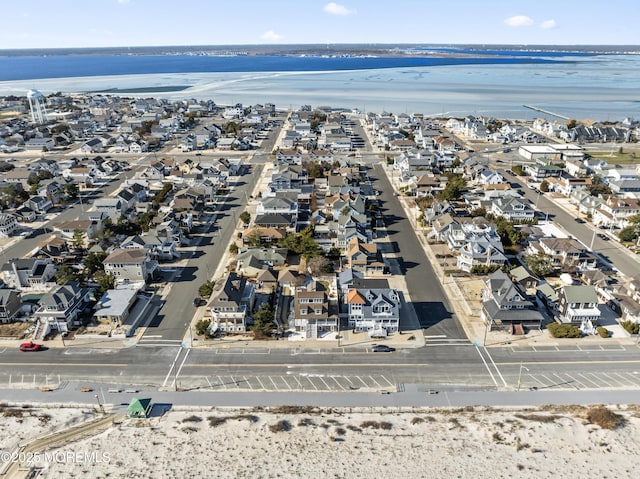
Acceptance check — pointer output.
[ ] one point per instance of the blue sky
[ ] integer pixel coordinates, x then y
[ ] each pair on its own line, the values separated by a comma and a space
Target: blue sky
96, 23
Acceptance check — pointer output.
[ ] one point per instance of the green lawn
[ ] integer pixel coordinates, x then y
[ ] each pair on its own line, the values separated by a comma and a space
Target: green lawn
615, 158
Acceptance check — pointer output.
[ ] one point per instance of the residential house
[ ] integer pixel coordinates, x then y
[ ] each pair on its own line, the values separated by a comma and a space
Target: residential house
36, 274
364, 257
374, 310
131, 264
567, 254
578, 305
252, 261
60, 308
310, 313
8, 225
615, 212
10, 305
513, 209
505, 305
522, 276
114, 307
231, 304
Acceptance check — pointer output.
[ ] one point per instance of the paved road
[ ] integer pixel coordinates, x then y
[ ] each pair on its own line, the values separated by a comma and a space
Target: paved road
211, 243
428, 298
610, 250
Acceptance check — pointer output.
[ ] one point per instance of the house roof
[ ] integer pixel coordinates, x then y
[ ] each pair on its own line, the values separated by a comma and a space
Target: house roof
127, 256
355, 298
580, 294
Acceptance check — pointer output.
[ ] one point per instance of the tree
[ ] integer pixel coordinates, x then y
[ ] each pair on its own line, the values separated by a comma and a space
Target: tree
106, 281
480, 211
540, 264
206, 289
571, 123
233, 248
630, 233
454, 189
302, 243
517, 169
77, 242
544, 186
93, 263
245, 217
319, 265
70, 191
65, 274
597, 187
202, 327
263, 321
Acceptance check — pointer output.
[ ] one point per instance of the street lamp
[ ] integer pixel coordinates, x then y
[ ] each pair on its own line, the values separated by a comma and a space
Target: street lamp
520, 374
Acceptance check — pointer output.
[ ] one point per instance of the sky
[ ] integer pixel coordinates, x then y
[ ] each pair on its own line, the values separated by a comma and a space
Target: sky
104, 23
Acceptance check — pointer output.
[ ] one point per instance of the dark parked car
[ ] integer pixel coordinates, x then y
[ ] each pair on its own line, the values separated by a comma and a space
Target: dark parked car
382, 348
579, 220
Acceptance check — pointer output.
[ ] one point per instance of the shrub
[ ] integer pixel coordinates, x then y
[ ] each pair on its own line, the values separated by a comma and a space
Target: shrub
604, 418
192, 419
281, 426
216, 421
564, 331
631, 327
603, 332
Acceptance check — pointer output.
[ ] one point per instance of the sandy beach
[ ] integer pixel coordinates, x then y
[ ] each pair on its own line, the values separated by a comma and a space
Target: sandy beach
291, 442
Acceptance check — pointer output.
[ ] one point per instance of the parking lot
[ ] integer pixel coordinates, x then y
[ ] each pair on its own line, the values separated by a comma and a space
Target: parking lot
299, 381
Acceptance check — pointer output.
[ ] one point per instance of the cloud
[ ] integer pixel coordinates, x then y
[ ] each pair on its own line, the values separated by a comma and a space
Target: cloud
548, 24
333, 8
271, 36
519, 21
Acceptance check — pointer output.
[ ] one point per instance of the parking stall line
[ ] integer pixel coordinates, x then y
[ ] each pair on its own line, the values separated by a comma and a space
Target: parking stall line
590, 380
247, 382
341, 386
634, 377
362, 381
552, 384
575, 379
614, 379
600, 378
261, 384
312, 383
299, 383
224, 386
273, 382
285, 381
324, 382
377, 383
390, 383
536, 379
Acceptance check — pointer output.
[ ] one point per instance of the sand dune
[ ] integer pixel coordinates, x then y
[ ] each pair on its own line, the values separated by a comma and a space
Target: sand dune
362, 443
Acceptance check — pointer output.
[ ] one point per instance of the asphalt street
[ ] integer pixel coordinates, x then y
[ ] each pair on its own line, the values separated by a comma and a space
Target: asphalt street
586, 233
425, 290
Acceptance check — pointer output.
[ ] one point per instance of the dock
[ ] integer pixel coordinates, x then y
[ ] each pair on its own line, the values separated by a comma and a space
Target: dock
546, 112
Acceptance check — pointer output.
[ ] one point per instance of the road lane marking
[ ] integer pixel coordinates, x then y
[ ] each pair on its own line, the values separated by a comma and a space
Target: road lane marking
487, 366
84, 365
164, 384
312, 365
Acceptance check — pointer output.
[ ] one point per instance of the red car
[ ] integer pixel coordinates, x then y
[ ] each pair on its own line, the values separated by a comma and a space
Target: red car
30, 347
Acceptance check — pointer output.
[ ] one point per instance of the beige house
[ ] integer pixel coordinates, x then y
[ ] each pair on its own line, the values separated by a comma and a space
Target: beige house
132, 264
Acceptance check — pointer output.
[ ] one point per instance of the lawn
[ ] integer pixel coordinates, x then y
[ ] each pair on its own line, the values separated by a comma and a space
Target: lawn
616, 158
